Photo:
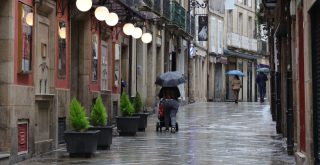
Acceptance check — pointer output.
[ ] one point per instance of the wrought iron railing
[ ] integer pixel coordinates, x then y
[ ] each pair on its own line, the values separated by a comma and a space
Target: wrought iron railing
193, 24
166, 9
177, 15
149, 3
157, 6
188, 23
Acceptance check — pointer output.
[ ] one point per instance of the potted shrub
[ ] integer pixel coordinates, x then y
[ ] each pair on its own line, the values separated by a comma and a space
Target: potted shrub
127, 124
80, 141
138, 108
98, 120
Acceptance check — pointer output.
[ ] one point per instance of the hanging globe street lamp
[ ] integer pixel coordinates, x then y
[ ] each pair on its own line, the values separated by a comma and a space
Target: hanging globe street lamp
112, 19
137, 33
84, 5
101, 13
146, 38
128, 29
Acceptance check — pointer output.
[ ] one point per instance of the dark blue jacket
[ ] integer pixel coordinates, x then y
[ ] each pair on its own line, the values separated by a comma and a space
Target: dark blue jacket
261, 80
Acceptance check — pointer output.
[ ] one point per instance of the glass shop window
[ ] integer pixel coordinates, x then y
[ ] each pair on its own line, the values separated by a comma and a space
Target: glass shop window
62, 49
25, 23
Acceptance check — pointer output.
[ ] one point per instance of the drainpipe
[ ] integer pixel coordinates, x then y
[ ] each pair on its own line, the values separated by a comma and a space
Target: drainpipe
278, 86
272, 79
290, 125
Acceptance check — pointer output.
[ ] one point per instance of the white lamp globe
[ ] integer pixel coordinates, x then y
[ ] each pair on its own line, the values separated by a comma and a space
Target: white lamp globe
137, 33
62, 32
84, 5
112, 19
101, 13
29, 19
128, 29
146, 38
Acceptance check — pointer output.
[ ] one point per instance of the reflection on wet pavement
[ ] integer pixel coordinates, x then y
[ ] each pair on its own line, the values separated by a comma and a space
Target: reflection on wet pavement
209, 134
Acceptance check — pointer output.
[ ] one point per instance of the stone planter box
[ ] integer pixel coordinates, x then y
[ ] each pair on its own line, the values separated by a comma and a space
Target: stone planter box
81, 144
104, 137
127, 126
143, 121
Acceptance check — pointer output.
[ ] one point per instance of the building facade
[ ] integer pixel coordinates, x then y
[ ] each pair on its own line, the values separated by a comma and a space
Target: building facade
52, 52
293, 30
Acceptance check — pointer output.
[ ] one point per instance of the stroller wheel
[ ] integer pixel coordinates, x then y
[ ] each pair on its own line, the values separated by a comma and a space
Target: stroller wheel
177, 127
158, 127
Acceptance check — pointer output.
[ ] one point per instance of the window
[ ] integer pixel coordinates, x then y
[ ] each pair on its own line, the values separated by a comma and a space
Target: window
250, 32
230, 21
94, 66
62, 49
240, 24
245, 2
25, 24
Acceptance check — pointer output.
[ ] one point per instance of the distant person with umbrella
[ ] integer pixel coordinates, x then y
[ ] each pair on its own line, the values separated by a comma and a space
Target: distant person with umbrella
236, 85
261, 81
169, 93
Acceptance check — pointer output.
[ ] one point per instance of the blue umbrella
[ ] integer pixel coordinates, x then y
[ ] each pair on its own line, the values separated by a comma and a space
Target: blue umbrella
235, 72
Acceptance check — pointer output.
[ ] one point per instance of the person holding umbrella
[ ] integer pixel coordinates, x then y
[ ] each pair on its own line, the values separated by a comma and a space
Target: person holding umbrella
169, 94
236, 85
261, 81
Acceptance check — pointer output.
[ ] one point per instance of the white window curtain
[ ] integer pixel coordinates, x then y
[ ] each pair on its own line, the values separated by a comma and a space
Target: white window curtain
213, 34
249, 3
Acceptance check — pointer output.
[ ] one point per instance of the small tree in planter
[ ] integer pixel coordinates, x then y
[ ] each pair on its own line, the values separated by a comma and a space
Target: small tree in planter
126, 107
80, 142
99, 120
138, 106
98, 113
127, 124
137, 103
78, 120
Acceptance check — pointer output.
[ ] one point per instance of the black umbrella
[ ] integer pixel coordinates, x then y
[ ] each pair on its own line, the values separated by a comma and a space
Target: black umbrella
170, 79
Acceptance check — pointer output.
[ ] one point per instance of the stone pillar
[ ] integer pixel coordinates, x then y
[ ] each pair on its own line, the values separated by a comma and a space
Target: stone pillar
133, 68
197, 77
245, 81
151, 68
6, 70
191, 82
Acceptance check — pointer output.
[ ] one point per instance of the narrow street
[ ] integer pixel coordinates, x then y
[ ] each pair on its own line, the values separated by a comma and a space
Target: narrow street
210, 134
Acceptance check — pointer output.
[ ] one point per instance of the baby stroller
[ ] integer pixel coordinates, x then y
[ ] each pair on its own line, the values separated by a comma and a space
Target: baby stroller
161, 114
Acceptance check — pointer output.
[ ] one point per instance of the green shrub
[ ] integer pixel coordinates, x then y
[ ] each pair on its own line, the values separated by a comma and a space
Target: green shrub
78, 120
125, 105
137, 104
98, 113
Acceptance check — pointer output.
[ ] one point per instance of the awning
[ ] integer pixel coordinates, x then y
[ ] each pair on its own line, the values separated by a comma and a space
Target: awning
230, 53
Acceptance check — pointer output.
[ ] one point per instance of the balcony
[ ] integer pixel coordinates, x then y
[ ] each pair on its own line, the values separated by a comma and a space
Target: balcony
178, 20
241, 42
146, 9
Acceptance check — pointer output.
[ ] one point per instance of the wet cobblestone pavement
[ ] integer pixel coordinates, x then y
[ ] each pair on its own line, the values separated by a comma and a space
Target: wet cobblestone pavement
209, 134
